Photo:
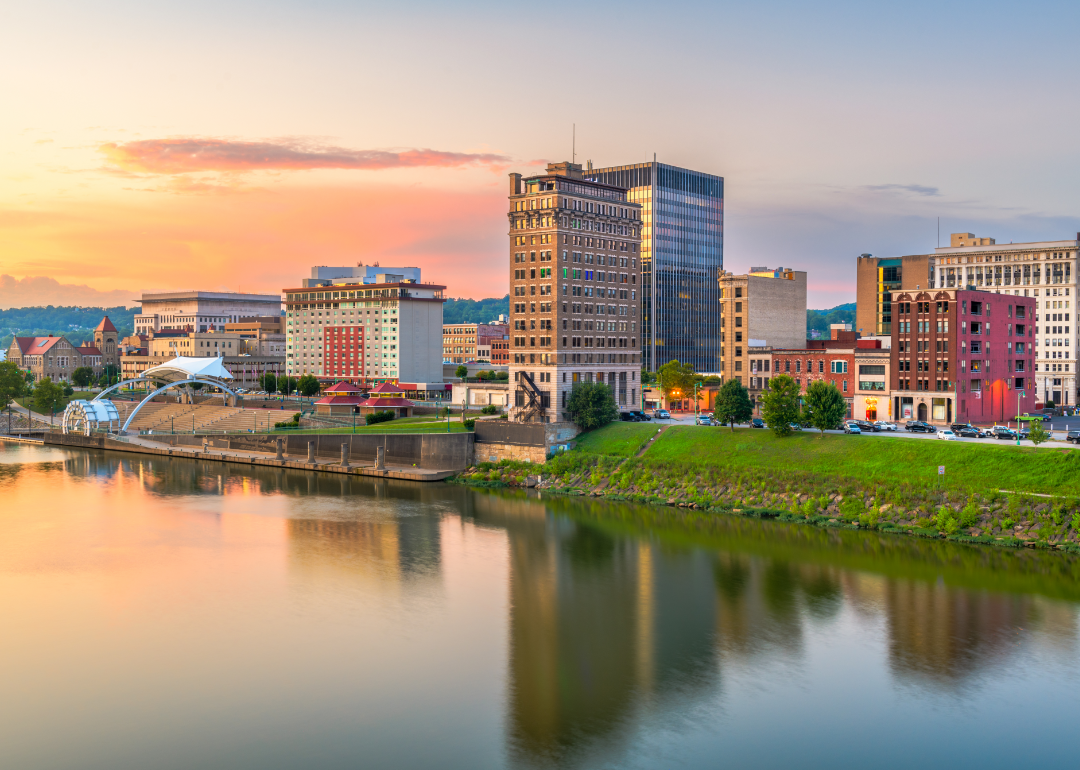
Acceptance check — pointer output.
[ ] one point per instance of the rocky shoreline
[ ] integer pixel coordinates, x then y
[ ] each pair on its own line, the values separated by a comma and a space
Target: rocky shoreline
996, 518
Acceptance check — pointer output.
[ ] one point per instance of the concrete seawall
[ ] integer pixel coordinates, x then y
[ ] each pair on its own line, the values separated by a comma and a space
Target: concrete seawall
417, 457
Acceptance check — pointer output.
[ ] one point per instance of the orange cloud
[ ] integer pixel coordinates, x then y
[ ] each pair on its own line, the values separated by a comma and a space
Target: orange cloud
179, 156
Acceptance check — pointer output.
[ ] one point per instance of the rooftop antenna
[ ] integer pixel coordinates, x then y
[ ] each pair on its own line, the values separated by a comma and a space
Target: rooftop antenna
573, 144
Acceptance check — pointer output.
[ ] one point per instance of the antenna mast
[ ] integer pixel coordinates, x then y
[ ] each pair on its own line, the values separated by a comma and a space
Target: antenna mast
573, 144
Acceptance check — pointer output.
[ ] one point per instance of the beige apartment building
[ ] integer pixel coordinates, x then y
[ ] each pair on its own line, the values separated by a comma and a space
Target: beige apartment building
575, 291
263, 336
872, 377
763, 309
1045, 270
471, 342
194, 344
366, 332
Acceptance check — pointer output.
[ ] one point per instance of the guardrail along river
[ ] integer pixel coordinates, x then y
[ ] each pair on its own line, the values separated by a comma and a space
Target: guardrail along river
169, 613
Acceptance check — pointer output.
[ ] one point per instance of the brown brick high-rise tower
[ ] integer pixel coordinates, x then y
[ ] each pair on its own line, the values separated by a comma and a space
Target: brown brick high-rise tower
575, 298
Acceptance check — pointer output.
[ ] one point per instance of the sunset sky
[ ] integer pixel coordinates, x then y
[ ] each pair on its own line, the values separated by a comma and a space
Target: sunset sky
233, 145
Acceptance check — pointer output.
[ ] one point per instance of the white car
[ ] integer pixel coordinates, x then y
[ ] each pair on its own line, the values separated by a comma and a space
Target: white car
947, 435
882, 425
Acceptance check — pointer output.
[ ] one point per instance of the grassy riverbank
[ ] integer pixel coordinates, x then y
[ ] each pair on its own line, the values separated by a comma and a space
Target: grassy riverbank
989, 493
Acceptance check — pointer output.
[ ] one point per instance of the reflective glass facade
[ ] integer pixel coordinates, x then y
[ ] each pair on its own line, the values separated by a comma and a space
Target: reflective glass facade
682, 252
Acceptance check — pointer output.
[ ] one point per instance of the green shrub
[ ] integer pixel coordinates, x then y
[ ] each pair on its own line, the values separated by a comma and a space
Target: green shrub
1076, 522
490, 409
1058, 514
384, 415
969, 516
470, 424
1008, 523
809, 507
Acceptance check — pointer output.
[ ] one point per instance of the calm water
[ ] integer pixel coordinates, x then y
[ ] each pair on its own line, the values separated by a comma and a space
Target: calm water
177, 614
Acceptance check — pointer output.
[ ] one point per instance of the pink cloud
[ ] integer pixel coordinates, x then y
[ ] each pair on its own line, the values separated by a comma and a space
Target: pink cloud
183, 155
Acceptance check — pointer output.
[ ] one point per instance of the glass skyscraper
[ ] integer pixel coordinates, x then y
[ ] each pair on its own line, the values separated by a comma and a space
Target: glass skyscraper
682, 252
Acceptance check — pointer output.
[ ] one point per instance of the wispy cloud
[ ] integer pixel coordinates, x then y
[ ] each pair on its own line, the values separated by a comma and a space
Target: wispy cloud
915, 189
185, 155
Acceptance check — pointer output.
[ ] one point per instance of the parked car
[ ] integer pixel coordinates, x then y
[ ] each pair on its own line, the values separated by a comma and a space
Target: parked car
1002, 432
704, 419
966, 430
661, 414
883, 425
1073, 436
1041, 415
628, 417
866, 426
794, 426
918, 426
642, 416
946, 435
757, 422
851, 427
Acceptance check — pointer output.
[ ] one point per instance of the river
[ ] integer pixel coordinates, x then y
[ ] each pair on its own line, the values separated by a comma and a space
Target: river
167, 614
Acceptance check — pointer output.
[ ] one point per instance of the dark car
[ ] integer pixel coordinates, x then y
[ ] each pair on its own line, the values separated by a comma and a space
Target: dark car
867, 427
757, 422
628, 417
1001, 432
641, 416
918, 426
966, 430
1073, 436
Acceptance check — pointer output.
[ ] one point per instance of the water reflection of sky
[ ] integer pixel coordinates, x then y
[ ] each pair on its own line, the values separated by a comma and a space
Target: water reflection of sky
177, 613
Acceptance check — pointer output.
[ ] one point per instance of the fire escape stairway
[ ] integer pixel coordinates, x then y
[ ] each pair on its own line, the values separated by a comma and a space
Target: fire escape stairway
535, 406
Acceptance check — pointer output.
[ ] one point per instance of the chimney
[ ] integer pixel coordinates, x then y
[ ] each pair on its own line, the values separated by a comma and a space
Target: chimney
515, 184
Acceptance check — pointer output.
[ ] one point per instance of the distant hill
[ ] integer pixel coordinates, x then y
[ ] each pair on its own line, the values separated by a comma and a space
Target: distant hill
75, 323
820, 320
473, 311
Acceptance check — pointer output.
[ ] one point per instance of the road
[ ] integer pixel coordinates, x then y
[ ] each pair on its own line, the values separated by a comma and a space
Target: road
1058, 428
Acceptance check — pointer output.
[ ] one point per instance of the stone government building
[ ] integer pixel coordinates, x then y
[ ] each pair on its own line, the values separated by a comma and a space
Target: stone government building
57, 358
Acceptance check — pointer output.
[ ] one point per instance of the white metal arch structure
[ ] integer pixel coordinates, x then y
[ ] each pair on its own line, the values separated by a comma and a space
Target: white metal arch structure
98, 397
183, 370
85, 416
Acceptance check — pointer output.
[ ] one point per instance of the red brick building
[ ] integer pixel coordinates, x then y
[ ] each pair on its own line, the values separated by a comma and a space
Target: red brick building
962, 356
831, 360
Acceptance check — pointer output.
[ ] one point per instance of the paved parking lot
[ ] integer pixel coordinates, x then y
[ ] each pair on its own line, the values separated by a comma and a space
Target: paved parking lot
1057, 427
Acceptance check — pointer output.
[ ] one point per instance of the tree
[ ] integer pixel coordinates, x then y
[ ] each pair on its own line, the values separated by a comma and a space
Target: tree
733, 404
68, 391
308, 385
647, 378
48, 396
1038, 433
286, 384
592, 405
502, 375
676, 380
12, 383
780, 404
83, 376
268, 382
825, 406
462, 371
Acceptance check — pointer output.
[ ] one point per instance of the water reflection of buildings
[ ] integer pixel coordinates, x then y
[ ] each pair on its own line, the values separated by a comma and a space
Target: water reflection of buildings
600, 626
387, 548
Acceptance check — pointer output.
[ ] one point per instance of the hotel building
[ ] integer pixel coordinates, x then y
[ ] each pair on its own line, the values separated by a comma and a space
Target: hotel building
682, 251
575, 292
365, 333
